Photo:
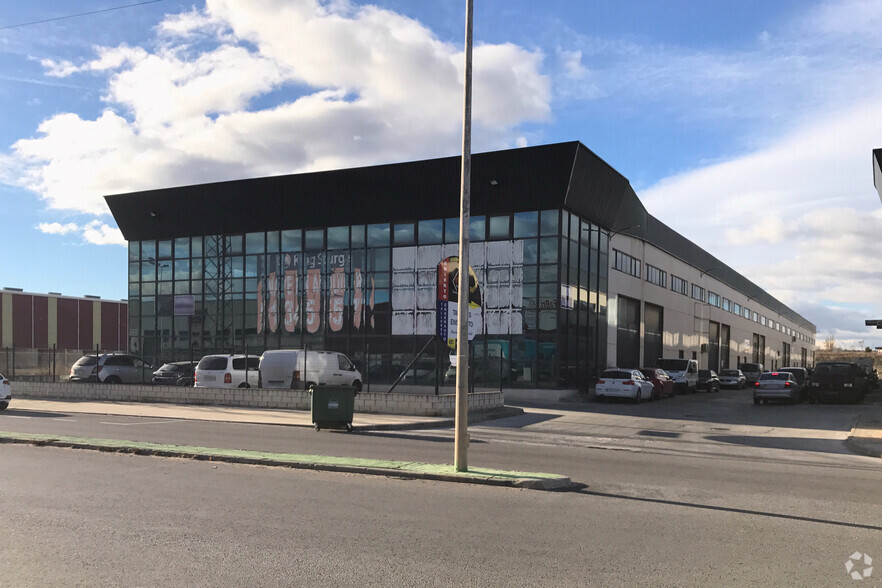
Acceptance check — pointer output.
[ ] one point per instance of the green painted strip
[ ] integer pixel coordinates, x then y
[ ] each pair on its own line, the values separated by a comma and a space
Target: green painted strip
405, 467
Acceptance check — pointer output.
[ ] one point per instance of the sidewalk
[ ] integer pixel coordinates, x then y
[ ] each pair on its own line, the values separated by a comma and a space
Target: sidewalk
866, 436
297, 418
232, 414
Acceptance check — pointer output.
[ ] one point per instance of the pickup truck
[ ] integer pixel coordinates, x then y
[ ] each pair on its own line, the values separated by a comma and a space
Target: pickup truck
838, 381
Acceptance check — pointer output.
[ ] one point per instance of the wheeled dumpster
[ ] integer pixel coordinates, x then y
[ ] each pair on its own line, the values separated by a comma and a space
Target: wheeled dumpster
332, 407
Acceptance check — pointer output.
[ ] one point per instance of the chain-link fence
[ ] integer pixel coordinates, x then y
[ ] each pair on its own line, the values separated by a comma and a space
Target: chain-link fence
39, 365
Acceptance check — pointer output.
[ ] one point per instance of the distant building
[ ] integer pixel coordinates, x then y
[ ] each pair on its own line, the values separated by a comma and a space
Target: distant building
46, 321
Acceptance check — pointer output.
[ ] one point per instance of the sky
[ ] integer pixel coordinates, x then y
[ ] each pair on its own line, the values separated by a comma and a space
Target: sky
747, 127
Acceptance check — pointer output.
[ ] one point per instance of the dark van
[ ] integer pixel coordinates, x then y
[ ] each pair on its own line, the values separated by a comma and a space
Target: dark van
838, 381
752, 372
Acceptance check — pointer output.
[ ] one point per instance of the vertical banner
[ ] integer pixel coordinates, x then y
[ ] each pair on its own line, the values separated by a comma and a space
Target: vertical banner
313, 265
448, 297
336, 290
260, 305
272, 284
292, 301
357, 297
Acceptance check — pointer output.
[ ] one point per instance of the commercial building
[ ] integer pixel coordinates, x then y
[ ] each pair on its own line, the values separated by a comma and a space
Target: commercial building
348, 260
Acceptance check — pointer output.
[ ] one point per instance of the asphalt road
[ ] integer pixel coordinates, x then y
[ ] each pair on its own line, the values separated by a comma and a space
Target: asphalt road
664, 498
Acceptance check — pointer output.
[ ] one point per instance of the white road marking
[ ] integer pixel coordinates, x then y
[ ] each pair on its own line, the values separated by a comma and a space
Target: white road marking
141, 423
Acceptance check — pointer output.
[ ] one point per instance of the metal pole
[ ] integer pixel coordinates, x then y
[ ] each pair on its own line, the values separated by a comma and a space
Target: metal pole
500, 368
461, 438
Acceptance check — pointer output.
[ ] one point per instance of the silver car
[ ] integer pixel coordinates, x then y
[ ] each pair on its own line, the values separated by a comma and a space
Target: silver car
732, 379
111, 368
777, 386
5, 392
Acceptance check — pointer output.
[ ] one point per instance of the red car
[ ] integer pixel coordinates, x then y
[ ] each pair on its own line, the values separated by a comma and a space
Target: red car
662, 384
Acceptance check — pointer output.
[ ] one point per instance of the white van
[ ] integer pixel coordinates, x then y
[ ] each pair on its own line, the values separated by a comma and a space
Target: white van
226, 371
295, 368
684, 372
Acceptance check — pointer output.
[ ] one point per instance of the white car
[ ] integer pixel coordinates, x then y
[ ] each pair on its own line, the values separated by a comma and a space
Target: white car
227, 371
5, 392
623, 383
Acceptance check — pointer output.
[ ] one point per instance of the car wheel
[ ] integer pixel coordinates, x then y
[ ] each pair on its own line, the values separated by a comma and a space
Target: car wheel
244, 385
112, 380
3, 405
357, 385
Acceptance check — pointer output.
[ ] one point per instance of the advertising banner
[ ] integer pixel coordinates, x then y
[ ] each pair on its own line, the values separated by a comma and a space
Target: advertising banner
448, 299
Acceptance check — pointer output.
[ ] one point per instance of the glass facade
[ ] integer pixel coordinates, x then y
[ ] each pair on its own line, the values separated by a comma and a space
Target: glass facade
371, 292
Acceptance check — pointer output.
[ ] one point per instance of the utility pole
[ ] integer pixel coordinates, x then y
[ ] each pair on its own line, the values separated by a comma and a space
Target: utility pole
461, 437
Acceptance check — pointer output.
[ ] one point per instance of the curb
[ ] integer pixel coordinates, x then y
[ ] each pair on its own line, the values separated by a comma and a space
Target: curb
410, 470
870, 448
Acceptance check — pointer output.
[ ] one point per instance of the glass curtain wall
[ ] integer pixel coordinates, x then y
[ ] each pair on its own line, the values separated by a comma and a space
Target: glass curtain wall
370, 291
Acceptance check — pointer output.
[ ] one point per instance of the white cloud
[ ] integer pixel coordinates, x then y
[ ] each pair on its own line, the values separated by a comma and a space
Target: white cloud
98, 233
57, 228
182, 113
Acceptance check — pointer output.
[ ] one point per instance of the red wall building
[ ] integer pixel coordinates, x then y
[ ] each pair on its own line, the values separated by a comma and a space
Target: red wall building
43, 321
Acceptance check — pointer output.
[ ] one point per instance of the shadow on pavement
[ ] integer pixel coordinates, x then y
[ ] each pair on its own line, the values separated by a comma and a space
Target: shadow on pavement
432, 438
790, 443
36, 414
583, 489
734, 407
523, 420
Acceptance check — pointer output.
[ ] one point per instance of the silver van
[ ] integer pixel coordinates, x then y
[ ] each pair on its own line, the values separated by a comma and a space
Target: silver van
752, 372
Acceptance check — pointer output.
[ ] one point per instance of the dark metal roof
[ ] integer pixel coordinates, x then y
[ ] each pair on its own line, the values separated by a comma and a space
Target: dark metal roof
561, 175
877, 171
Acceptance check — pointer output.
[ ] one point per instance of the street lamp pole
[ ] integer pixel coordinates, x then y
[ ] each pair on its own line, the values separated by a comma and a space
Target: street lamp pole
461, 438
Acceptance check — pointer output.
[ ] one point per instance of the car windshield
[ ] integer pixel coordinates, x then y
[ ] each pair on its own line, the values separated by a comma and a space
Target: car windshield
617, 375
729, 373
677, 365
833, 369
213, 363
775, 376
86, 360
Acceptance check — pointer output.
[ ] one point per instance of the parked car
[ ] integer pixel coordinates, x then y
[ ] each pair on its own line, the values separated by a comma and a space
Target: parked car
776, 386
299, 368
623, 383
752, 372
179, 373
838, 382
732, 379
227, 371
800, 374
708, 381
684, 372
5, 392
485, 372
663, 384
111, 368
421, 372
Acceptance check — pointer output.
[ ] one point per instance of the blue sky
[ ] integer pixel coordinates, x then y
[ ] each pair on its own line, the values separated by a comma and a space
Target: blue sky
745, 126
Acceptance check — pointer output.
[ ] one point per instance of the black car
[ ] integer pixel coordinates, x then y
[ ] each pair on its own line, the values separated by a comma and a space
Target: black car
838, 381
175, 374
708, 381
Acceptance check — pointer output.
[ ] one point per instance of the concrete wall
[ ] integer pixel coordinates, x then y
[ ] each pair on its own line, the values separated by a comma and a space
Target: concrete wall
406, 404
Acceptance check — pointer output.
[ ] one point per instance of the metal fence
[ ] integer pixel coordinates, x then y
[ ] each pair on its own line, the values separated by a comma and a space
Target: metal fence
39, 365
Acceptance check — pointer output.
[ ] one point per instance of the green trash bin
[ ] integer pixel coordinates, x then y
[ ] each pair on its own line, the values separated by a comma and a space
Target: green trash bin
332, 406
